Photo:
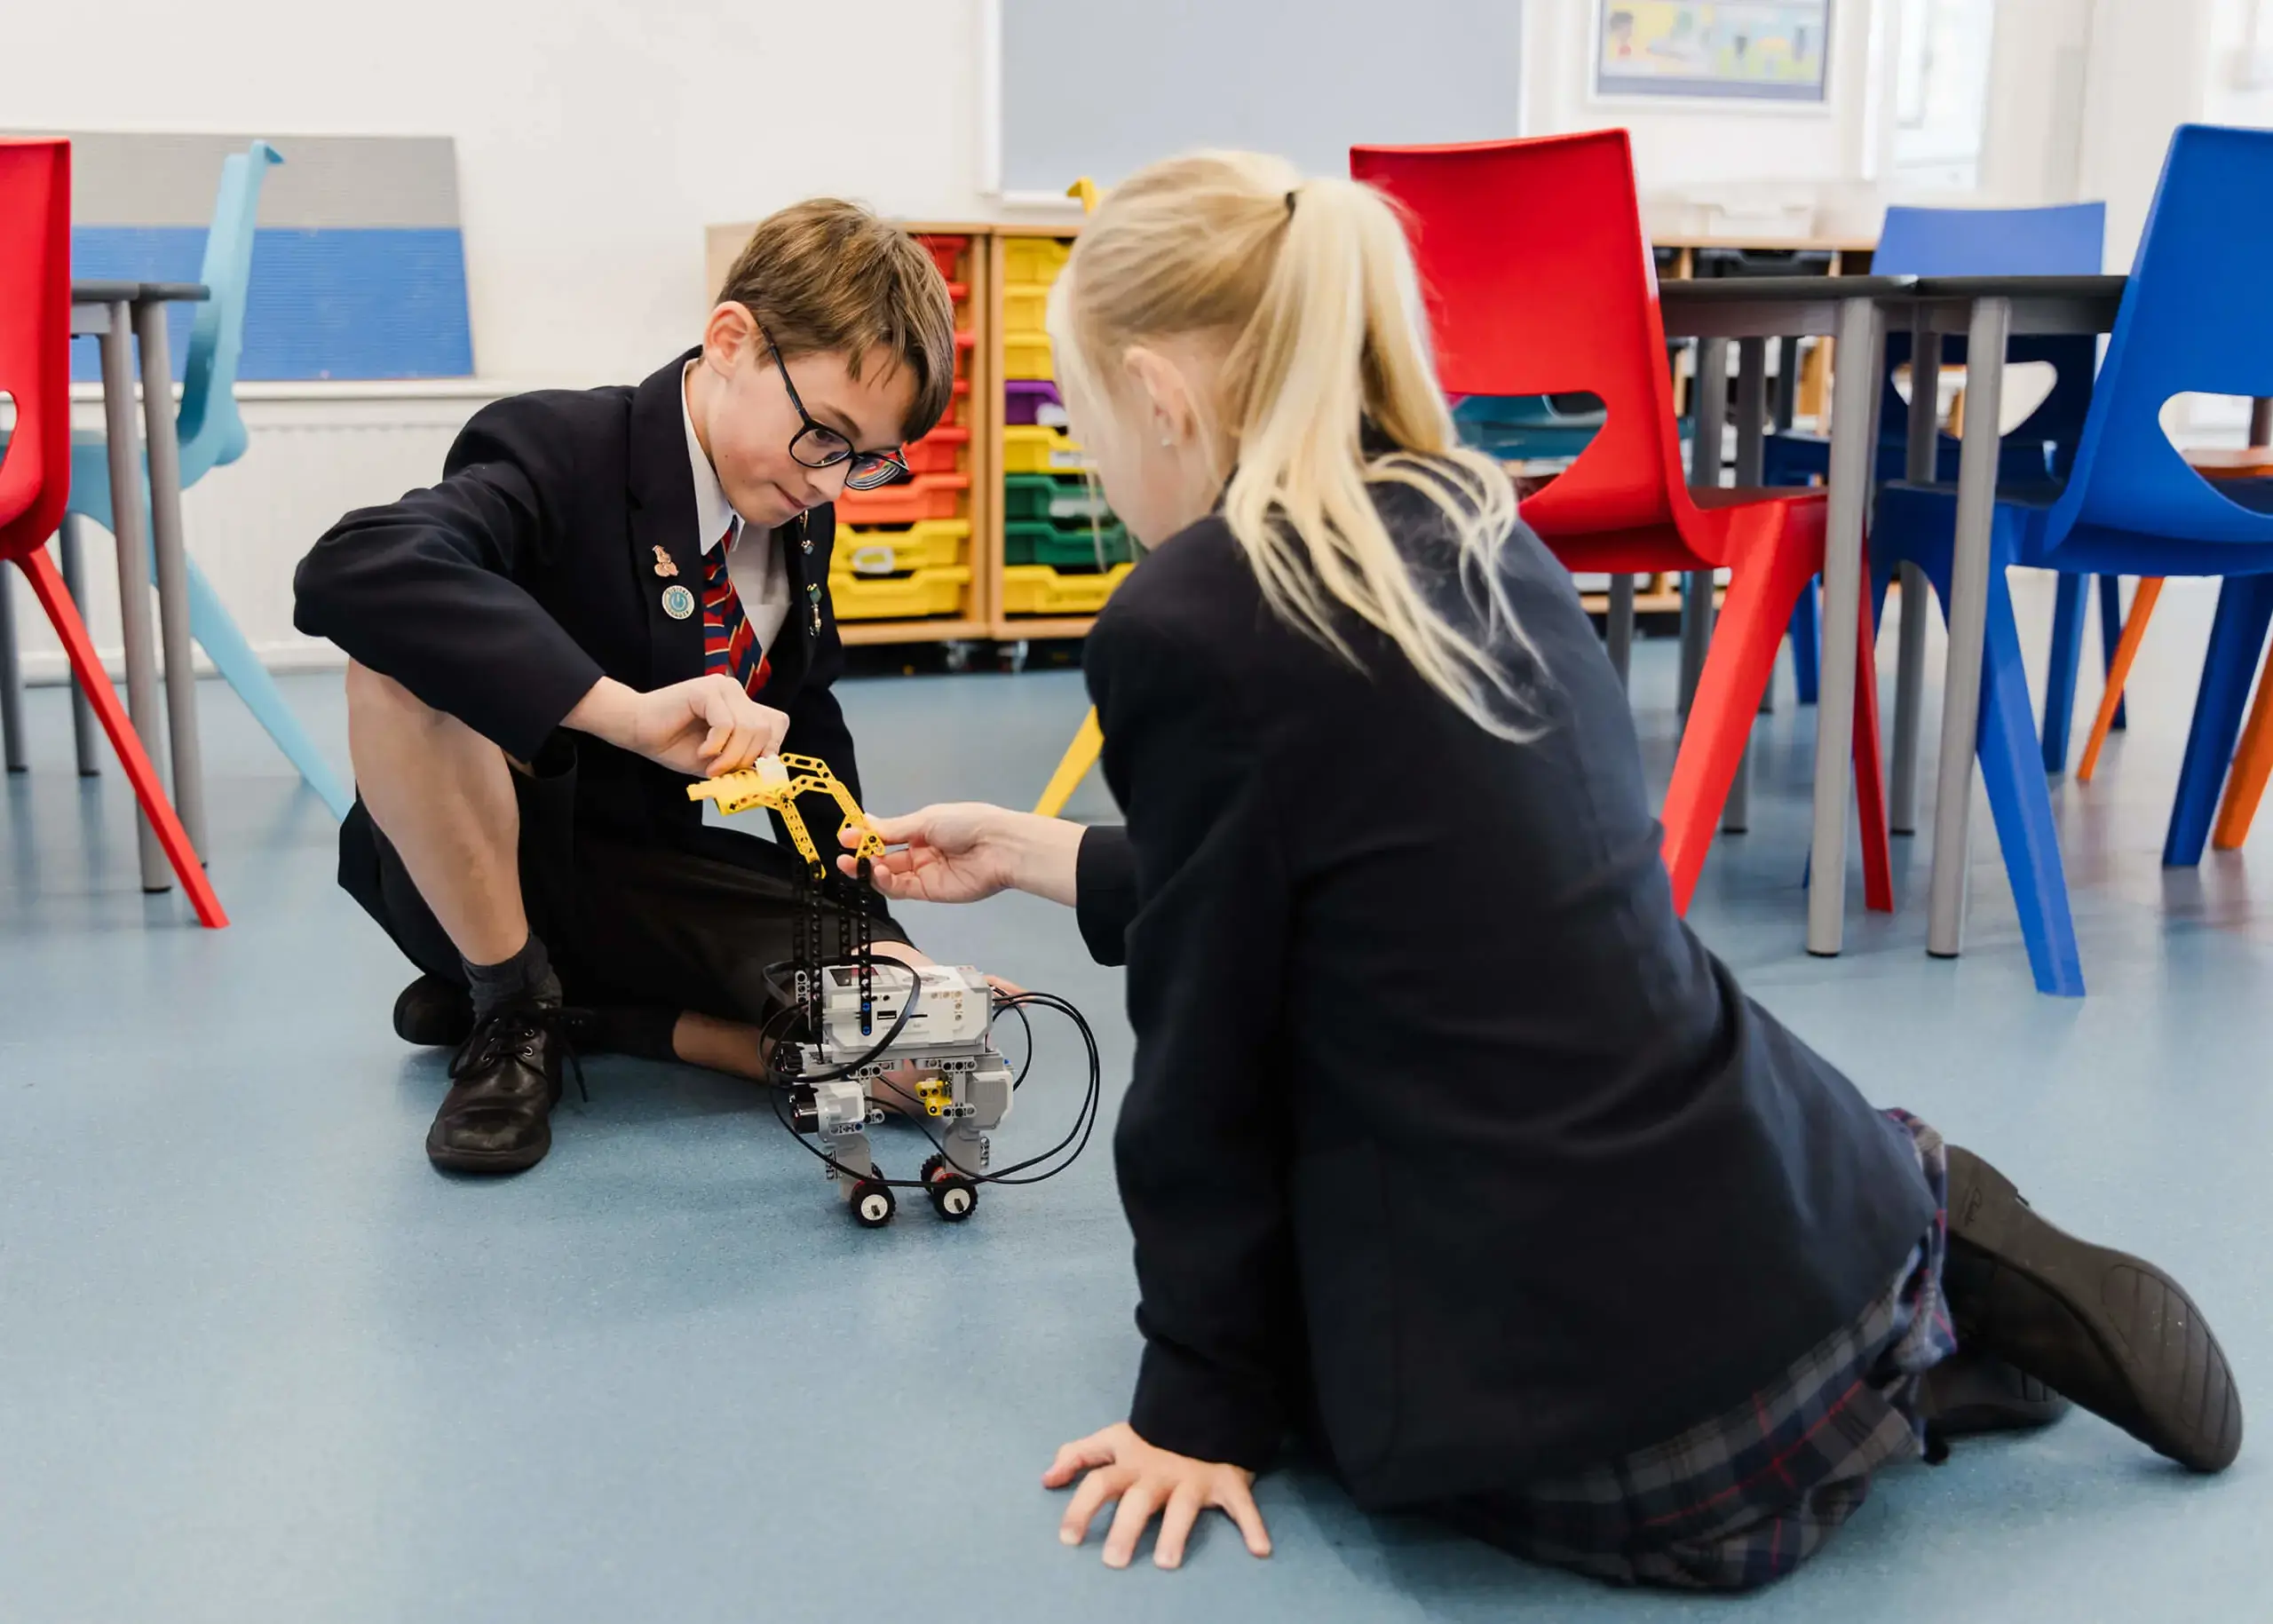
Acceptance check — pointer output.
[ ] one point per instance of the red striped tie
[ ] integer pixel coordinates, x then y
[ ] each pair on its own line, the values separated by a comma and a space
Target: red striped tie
728, 645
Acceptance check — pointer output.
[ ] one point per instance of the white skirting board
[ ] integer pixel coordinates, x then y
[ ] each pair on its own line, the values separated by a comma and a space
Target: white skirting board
317, 451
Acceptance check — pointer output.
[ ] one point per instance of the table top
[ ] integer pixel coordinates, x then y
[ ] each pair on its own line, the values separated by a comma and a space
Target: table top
2021, 287
1779, 289
95, 292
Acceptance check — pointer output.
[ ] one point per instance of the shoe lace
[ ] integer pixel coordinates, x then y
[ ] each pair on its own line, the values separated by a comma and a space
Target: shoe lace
513, 1031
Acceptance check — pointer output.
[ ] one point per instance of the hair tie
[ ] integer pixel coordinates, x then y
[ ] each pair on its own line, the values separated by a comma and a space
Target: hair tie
1290, 201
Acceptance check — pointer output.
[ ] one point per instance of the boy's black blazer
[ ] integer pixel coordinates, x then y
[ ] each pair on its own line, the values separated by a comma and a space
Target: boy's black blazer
502, 594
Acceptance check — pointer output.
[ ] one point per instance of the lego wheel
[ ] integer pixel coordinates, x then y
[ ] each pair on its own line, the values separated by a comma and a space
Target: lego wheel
954, 1197
872, 1204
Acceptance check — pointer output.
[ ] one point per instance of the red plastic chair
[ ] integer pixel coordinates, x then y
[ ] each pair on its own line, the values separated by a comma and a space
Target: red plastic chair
1540, 282
35, 462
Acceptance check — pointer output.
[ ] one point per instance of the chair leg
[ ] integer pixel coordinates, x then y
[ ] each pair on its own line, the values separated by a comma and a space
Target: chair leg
11, 683
216, 633
2118, 672
1806, 641
1870, 761
1080, 756
2110, 632
2019, 801
2252, 765
2069, 602
75, 581
47, 585
1738, 665
2244, 608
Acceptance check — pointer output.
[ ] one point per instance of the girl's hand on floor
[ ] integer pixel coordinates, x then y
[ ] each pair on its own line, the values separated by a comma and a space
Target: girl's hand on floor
1122, 1466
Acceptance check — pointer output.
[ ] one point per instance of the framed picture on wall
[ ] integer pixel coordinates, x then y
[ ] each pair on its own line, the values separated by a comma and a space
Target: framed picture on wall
1755, 51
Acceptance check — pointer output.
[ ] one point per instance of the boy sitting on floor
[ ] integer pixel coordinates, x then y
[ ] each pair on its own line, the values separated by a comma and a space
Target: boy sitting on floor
610, 592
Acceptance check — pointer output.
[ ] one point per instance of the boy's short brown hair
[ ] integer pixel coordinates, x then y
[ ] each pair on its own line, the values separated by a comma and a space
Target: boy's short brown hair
826, 276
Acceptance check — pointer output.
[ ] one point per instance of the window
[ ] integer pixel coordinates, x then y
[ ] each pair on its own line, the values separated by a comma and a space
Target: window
1941, 92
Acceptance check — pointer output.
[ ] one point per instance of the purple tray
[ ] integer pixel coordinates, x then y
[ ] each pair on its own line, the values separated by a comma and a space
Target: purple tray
1023, 401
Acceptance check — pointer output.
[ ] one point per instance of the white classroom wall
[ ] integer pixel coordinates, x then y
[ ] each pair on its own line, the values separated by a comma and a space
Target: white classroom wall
595, 137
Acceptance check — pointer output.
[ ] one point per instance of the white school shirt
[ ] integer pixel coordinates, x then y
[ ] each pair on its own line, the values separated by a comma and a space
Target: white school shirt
753, 561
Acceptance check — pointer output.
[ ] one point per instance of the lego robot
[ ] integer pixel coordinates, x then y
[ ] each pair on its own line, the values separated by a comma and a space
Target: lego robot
927, 1030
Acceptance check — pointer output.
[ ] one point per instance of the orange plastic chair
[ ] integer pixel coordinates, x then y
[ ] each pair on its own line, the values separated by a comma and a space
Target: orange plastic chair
36, 465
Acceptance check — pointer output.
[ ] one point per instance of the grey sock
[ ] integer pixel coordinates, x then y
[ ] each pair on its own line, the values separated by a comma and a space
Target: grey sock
529, 974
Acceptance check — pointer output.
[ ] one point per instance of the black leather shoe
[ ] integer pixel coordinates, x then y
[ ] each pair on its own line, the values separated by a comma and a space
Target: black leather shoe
2110, 1331
1970, 1393
503, 1084
434, 1013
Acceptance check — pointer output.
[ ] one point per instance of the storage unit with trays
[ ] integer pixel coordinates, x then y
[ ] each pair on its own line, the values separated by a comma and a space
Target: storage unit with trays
904, 569
1062, 552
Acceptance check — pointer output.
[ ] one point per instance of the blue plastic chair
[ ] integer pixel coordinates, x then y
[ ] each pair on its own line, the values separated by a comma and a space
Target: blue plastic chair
212, 435
2193, 318
2067, 239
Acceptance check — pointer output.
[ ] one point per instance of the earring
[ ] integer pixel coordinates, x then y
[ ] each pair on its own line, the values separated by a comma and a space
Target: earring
1167, 440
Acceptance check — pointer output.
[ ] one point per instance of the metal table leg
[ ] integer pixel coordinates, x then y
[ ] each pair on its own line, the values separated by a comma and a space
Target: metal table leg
1855, 369
172, 570
1968, 623
1917, 595
11, 680
1752, 410
133, 562
75, 581
1619, 625
1711, 417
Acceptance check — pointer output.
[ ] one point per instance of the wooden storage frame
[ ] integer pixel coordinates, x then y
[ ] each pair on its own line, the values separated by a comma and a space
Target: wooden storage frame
982, 616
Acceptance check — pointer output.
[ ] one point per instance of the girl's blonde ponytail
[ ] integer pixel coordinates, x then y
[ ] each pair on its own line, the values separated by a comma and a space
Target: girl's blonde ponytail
1313, 286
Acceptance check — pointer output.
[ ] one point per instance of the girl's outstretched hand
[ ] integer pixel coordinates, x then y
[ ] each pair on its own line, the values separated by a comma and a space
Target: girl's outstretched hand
1146, 1481
945, 854
966, 851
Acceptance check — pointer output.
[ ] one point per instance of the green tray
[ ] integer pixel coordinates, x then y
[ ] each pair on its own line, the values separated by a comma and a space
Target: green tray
1065, 546
1038, 498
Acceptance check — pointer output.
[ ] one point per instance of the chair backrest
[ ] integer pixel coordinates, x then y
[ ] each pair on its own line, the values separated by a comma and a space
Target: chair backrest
211, 431
2066, 240
35, 340
2195, 318
1540, 282
2063, 241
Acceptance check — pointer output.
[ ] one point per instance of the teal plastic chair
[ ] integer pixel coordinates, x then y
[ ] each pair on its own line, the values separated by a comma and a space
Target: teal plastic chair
212, 435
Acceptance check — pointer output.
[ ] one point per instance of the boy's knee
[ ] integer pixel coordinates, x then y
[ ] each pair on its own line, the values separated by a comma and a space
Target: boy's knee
371, 694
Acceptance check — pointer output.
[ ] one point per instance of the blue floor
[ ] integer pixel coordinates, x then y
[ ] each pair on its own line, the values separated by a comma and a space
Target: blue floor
258, 1361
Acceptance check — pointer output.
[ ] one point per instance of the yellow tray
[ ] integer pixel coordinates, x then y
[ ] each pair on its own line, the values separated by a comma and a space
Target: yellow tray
1033, 260
927, 591
1024, 307
1036, 589
1033, 448
1027, 358
935, 543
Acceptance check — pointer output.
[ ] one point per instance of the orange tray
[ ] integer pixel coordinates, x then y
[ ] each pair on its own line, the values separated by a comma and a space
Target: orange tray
937, 451
929, 496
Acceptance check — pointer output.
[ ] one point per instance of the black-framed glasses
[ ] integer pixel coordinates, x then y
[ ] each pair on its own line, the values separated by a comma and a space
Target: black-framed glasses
817, 446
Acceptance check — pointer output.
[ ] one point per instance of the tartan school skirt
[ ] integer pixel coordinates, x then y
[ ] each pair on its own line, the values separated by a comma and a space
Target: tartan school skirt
1743, 1499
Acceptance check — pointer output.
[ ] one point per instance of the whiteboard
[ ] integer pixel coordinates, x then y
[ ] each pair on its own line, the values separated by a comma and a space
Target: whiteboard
1103, 87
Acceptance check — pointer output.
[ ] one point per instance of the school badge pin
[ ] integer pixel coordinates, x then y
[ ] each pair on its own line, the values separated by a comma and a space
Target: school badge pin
679, 603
